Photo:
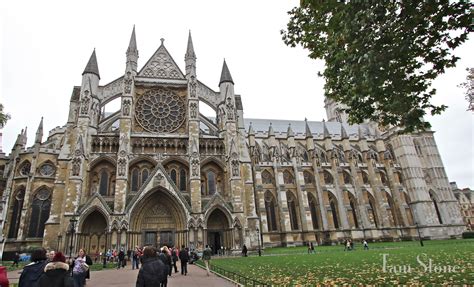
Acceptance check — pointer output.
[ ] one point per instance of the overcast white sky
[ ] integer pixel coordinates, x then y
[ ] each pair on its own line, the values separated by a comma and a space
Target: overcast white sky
45, 45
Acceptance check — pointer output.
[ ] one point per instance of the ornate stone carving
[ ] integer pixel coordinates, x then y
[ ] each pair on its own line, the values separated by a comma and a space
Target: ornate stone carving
162, 66
235, 167
193, 110
192, 87
230, 109
160, 110
126, 107
128, 83
47, 169
76, 166
85, 103
122, 167
195, 164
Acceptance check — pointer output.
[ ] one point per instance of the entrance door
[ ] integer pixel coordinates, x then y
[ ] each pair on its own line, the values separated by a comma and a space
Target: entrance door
215, 241
150, 238
166, 238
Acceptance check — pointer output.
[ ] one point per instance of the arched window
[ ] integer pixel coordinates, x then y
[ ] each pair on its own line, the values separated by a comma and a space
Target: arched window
292, 210
436, 207
182, 180
333, 205
25, 168
347, 177
134, 179
144, 176
173, 176
418, 147
327, 177
372, 210
104, 182
211, 182
308, 177
365, 177
383, 179
288, 177
267, 177
313, 208
353, 208
16, 214
270, 209
39, 212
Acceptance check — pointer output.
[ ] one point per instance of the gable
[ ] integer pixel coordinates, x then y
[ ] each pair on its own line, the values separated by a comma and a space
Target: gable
161, 65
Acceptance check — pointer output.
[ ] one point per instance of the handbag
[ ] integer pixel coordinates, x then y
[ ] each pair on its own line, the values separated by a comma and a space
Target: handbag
84, 267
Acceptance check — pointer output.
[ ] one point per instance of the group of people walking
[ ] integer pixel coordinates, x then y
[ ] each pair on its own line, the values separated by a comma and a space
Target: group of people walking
52, 270
158, 265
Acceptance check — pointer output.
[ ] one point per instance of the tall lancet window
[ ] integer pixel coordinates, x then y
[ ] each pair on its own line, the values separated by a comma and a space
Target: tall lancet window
16, 213
104, 182
40, 208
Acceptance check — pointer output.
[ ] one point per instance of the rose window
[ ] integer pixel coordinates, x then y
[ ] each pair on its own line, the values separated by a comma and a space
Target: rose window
160, 111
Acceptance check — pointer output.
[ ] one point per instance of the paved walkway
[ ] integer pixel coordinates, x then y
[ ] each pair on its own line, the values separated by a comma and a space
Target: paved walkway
127, 278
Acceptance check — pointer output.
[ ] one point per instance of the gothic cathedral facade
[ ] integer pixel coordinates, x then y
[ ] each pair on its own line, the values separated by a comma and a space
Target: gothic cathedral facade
159, 172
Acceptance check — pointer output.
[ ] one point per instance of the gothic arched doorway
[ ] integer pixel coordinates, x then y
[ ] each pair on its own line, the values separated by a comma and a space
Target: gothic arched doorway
92, 236
219, 234
158, 220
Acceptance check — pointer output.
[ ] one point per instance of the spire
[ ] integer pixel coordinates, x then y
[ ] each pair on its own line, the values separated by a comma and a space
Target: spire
251, 132
343, 132
24, 137
225, 75
39, 132
325, 130
308, 133
190, 49
289, 132
361, 133
92, 67
132, 46
270, 131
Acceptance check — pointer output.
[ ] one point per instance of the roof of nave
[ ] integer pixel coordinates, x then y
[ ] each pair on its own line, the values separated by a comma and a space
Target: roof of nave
280, 127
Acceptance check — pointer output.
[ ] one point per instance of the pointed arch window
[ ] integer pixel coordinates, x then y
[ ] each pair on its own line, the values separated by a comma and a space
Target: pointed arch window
135, 179
353, 209
292, 210
25, 168
328, 177
211, 182
365, 177
267, 177
313, 209
16, 213
145, 174
373, 213
436, 207
40, 208
383, 179
270, 209
333, 205
347, 177
418, 147
288, 177
104, 183
182, 180
173, 176
308, 177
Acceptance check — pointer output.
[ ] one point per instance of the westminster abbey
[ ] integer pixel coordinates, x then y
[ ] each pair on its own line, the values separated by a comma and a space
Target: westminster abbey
158, 172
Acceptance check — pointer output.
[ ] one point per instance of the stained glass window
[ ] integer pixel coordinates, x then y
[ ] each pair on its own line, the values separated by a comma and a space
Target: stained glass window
16, 214
40, 208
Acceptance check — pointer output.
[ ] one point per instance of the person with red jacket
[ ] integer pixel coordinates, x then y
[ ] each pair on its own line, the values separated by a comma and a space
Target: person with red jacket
3, 277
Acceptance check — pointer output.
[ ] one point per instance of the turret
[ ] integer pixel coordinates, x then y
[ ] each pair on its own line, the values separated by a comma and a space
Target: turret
226, 83
290, 136
89, 89
190, 57
345, 139
251, 135
271, 136
327, 137
39, 132
132, 53
308, 136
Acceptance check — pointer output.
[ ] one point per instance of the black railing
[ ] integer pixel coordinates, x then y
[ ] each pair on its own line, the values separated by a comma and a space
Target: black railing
234, 276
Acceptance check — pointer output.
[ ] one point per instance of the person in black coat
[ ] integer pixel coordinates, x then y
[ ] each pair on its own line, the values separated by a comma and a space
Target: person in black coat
153, 272
56, 273
121, 259
165, 257
184, 258
32, 272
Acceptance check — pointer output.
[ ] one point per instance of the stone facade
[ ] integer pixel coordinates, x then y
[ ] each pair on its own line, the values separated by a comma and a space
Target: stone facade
465, 199
159, 172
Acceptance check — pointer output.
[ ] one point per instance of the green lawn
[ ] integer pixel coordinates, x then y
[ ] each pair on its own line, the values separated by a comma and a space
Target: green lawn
332, 265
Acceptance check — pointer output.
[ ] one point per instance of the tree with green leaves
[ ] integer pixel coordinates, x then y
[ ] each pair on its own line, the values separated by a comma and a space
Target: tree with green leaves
381, 57
468, 85
4, 117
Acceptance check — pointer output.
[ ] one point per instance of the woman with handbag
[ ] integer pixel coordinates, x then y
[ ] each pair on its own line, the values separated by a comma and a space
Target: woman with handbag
79, 269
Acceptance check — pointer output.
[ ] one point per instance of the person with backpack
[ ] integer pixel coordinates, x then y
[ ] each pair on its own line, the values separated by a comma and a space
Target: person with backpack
56, 273
184, 258
175, 258
206, 257
32, 272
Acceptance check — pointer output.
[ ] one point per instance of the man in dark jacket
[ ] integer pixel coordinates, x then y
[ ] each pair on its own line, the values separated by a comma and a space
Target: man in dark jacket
56, 273
32, 272
121, 259
153, 271
184, 258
